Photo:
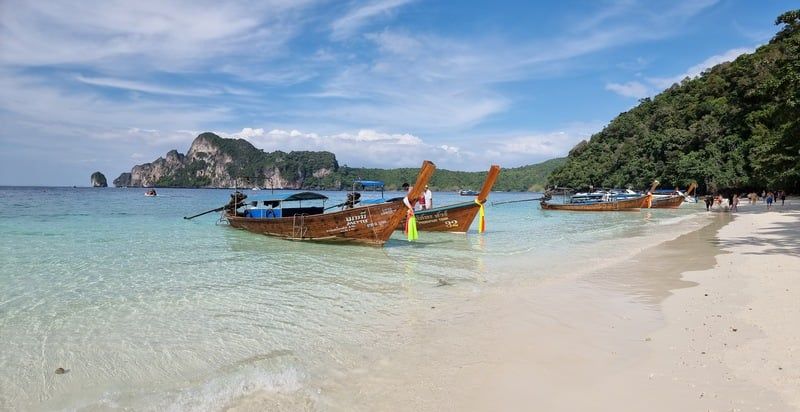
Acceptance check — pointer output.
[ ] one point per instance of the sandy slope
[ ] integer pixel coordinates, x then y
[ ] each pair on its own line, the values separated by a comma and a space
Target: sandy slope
707, 321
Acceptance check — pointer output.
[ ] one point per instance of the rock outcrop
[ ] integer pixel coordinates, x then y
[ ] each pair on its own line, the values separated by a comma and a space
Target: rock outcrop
99, 180
124, 180
213, 161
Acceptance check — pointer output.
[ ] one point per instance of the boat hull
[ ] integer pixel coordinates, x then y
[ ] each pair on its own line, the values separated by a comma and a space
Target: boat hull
369, 224
452, 218
620, 205
372, 224
671, 202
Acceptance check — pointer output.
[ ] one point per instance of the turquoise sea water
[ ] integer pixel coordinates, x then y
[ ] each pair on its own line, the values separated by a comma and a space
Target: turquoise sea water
149, 311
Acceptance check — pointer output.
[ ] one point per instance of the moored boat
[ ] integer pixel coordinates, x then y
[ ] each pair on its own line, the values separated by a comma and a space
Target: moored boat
667, 200
457, 217
286, 217
596, 202
468, 193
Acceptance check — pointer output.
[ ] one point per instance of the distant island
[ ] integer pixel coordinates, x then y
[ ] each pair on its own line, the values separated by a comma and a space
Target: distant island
737, 126
214, 161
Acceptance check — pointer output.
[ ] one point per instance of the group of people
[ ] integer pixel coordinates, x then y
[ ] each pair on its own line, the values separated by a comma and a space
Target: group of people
771, 198
425, 200
732, 201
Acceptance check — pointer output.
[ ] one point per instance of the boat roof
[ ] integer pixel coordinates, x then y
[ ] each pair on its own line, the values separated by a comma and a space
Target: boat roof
292, 197
370, 183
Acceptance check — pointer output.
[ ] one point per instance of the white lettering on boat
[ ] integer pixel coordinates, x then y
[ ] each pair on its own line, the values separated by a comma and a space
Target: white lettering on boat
360, 218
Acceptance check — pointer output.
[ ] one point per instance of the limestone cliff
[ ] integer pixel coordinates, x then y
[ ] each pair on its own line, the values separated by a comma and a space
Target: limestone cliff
213, 161
98, 180
124, 180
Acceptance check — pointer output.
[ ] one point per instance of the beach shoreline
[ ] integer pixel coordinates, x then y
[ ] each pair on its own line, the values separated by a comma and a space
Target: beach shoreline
686, 324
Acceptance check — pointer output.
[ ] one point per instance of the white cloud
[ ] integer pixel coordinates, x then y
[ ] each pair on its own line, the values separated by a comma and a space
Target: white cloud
655, 85
358, 17
145, 33
696, 70
373, 148
629, 89
143, 87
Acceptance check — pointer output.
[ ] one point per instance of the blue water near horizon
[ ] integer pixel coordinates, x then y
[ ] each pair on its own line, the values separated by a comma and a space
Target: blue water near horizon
150, 311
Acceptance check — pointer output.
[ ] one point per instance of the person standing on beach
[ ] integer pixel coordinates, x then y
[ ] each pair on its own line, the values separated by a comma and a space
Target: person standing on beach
783, 197
769, 199
734, 203
709, 201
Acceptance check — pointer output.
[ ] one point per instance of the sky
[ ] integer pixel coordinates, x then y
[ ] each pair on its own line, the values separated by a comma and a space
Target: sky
103, 85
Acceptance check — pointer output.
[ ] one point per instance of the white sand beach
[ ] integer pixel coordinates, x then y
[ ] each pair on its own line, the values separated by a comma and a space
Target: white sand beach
705, 321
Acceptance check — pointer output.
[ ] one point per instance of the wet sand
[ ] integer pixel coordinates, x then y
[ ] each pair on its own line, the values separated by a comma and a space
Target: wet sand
706, 321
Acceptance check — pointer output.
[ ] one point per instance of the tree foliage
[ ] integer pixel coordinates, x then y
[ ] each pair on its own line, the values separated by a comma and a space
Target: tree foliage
735, 126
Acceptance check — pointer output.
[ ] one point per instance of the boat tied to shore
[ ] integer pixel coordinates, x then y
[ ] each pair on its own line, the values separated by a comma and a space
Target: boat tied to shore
457, 217
667, 199
286, 216
595, 201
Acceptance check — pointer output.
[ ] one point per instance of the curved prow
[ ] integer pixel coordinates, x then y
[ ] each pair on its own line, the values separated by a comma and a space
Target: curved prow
691, 189
654, 185
424, 175
494, 171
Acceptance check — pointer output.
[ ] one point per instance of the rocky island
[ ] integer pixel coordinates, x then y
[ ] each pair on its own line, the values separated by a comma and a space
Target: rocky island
98, 180
214, 161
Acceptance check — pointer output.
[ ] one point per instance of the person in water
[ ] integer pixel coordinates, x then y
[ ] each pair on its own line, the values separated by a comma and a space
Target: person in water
406, 201
428, 197
709, 201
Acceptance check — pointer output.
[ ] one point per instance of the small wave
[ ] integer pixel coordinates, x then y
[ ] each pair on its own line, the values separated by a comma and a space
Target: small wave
676, 219
218, 393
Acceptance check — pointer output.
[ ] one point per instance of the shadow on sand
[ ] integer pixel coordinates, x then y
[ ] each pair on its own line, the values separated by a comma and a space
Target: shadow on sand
781, 238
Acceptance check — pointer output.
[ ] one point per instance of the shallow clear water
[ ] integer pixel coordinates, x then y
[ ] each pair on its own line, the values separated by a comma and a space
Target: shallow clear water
149, 311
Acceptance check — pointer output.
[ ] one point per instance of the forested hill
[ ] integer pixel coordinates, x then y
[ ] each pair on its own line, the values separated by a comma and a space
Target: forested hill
735, 126
525, 178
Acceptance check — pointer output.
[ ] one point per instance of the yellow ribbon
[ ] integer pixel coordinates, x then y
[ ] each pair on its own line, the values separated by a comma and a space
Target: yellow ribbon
482, 219
411, 227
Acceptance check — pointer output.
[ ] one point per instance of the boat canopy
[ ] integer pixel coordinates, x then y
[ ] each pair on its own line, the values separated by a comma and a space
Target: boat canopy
294, 197
369, 183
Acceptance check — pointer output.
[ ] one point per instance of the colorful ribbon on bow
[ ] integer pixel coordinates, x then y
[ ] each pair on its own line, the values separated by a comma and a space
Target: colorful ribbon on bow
411, 226
482, 218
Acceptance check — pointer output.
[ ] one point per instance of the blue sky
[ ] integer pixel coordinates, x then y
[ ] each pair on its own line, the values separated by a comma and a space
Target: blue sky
105, 85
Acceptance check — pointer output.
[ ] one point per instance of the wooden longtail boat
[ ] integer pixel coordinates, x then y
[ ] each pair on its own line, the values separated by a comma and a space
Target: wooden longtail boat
667, 202
370, 224
611, 205
457, 217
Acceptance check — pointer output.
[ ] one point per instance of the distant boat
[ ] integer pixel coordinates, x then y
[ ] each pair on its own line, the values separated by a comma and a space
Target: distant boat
457, 217
468, 193
285, 216
150, 193
256, 188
